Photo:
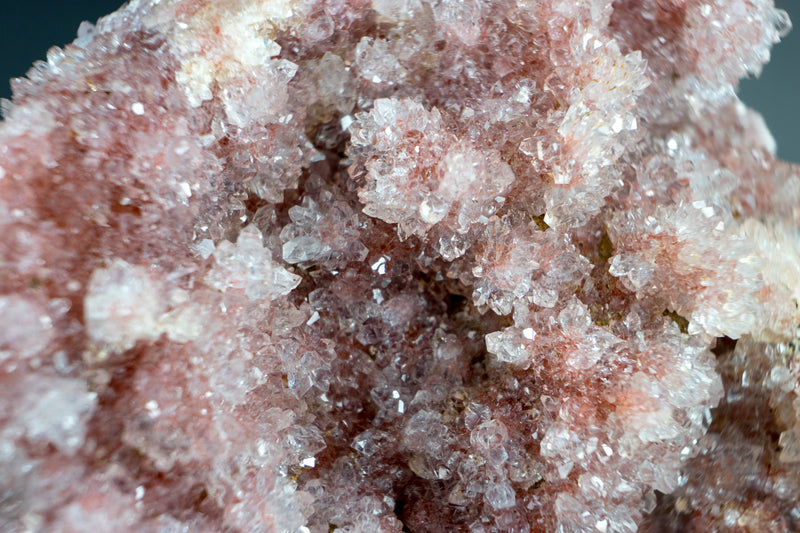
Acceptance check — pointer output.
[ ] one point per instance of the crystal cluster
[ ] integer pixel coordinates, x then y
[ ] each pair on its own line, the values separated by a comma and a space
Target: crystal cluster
400, 265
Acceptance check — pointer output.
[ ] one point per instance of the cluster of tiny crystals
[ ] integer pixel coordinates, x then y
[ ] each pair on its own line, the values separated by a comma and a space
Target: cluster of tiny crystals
369, 266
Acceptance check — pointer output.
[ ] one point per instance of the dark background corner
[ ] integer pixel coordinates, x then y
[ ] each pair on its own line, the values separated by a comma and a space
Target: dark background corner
776, 93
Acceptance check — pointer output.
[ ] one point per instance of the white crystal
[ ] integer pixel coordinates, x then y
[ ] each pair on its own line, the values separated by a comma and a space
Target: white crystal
506, 346
500, 495
122, 306
248, 266
25, 328
56, 410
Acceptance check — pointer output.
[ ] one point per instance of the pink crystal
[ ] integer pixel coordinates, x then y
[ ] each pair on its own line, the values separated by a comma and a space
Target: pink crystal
413, 265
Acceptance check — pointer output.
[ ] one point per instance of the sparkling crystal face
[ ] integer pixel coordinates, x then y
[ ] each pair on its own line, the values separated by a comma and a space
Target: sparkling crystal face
429, 266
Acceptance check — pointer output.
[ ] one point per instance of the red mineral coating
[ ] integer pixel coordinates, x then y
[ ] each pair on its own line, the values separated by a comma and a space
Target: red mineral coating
400, 265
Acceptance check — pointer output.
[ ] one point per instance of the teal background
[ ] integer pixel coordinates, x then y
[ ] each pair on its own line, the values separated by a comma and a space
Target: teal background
776, 93
28, 29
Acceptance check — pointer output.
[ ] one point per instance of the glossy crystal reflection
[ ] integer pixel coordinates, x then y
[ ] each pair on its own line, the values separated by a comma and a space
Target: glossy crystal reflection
418, 265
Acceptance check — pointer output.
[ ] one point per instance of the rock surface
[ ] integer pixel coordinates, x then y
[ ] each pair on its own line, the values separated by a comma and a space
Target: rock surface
400, 265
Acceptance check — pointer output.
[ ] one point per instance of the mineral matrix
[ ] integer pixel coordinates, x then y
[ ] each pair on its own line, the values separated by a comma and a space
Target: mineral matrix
399, 265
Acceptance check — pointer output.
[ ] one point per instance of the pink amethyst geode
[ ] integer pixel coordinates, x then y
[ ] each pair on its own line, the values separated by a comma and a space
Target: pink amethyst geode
400, 265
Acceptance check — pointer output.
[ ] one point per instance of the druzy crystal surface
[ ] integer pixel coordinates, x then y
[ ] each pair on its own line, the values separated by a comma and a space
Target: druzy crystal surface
400, 265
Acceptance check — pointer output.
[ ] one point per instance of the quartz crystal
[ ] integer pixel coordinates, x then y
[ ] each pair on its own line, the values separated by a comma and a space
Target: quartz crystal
400, 265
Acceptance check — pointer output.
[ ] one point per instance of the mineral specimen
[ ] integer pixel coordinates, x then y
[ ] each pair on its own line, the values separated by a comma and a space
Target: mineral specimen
399, 265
